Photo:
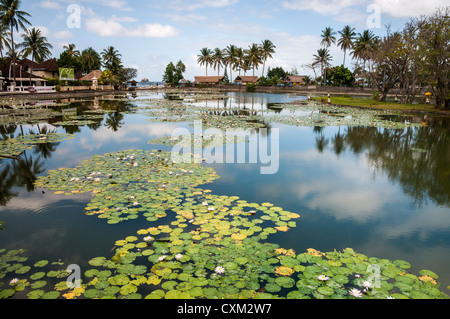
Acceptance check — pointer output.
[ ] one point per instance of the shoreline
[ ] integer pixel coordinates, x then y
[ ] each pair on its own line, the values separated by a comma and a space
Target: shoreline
316, 96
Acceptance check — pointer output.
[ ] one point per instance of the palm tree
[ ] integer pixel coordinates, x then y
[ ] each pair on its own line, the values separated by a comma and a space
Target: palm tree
71, 50
217, 59
328, 37
4, 41
111, 59
267, 49
90, 60
254, 56
240, 60
13, 19
346, 40
364, 44
35, 45
323, 58
230, 53
205, 58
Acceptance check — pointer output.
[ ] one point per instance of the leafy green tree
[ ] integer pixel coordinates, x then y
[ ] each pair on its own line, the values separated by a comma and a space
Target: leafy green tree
340, 76
35, 45
323, 58
278, 72
112, 59
174, 73
13, 19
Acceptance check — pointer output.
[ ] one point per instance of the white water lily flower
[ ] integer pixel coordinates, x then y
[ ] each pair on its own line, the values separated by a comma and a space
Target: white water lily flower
205, 203
148, 238
219, 270
211, 208
355, 293
178, 256
367, 284
323, 278
14, 281
162, 258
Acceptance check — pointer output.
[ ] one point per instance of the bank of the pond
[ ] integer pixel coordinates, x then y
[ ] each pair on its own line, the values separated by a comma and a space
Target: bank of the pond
387, 106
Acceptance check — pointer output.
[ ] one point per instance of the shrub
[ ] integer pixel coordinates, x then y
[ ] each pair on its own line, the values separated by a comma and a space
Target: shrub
251, 87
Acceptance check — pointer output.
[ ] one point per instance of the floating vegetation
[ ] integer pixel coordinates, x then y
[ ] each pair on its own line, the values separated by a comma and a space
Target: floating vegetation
127, 184
13, 147
201, 140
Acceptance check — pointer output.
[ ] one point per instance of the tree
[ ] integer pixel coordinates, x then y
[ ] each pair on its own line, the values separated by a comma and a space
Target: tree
14, 19
125, 75
278, 72
4, 41
112, 59
267, 49
254, 57
328, 37
434, 52
66, 60
90, 60
340, 76
323, 58
35, 45
217, 59
71, 50
345, 42
205, 58
174, 73
231, 53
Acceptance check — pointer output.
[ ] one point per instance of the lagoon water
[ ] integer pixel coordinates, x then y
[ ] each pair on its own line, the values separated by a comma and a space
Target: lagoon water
385, 193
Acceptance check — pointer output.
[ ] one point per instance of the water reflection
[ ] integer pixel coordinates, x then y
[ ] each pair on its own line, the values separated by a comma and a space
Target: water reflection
383, 192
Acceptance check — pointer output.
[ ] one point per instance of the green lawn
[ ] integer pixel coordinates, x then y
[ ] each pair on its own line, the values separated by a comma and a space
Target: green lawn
369, 103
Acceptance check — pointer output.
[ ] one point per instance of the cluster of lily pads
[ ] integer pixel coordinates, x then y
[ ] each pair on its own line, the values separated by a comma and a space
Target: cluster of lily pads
319, 114
200, 140
210, 247
13, 147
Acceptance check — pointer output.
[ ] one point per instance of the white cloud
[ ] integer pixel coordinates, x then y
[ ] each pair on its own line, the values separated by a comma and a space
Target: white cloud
324, 7
48, 4
112, 28
409, 8
66, 34
200, 4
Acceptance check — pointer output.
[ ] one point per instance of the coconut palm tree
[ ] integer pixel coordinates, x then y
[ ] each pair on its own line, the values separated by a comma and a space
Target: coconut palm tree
4, 41
111, 59
267, 49
35, 45
230, 53
323, 58
240, 60
205, 58
217, 59
346, 40
71, 50
90, 60
364, 44
13, 19
328, 37
254, 56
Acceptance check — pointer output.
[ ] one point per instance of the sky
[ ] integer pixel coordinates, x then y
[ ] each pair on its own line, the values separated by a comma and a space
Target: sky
150, 33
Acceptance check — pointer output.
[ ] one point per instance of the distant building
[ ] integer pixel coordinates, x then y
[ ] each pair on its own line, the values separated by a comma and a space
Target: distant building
295, 80
208, 79
90, 76
244, 80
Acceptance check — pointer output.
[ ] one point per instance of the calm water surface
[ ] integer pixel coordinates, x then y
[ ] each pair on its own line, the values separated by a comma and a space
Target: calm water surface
384, 193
